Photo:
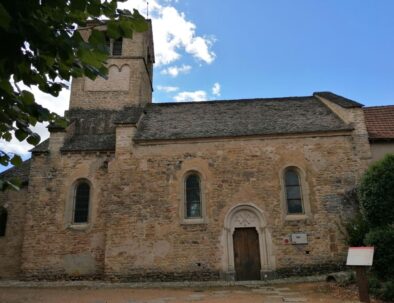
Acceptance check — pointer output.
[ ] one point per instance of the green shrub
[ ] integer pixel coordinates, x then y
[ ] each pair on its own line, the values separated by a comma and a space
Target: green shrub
356, 229
383, 241
380, 289
387, 292
376, 192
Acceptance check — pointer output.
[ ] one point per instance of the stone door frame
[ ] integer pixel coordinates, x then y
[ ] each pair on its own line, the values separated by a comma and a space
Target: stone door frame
247, 215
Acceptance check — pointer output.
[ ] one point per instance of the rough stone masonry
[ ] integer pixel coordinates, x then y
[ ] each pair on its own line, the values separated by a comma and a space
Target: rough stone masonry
135, 158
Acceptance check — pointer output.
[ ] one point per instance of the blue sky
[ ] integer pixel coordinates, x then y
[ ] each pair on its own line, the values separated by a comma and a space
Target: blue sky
291, 48
215, 49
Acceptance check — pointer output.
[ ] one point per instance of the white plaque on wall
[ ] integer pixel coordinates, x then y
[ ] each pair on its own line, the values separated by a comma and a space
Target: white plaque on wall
360, 256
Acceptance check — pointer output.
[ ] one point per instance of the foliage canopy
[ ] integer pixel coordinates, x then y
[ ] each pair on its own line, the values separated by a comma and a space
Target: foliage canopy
376, 193
41, 47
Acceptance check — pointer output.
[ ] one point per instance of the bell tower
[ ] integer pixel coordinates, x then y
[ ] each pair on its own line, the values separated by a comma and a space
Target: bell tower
130, 75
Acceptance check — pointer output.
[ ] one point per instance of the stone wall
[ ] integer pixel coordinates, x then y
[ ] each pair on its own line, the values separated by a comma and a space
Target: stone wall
145, 232
132, 73
53, 247
380, 149
11, 244
136, 230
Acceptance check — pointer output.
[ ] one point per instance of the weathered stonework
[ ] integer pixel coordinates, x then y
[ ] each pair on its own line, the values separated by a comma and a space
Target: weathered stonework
130, 77
11, 244
136, 159
136, 232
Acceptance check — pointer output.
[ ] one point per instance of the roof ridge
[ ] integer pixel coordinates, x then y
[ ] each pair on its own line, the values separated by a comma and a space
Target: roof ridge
378, 106
236, 100
338, 99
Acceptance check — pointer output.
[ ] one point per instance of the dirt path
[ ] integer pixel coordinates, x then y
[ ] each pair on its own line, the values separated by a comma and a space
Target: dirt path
302, 292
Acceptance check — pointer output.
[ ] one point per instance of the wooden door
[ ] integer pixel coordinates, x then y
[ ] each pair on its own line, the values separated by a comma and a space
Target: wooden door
246, 254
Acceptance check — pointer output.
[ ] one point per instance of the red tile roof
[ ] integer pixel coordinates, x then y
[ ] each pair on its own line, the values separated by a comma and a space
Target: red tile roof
380, 122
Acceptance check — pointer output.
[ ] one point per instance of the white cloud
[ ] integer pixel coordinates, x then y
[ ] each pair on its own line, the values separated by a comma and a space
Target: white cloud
172, 32
216, 89
174, 71
167, 89
198, 95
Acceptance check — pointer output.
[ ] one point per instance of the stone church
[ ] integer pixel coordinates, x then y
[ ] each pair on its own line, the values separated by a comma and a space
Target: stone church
231, 189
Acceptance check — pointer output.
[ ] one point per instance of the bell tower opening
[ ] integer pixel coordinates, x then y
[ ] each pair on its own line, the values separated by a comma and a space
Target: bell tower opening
130, 75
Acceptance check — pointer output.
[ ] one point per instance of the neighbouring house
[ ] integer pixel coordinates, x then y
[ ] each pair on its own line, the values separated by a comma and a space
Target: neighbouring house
230, 189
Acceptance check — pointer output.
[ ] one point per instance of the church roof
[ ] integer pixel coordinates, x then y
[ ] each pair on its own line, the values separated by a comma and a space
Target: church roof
95, 129
20, 172
339, 100
234, 118
380, 122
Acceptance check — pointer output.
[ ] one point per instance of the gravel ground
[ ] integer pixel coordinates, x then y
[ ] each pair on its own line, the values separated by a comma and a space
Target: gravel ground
95, 293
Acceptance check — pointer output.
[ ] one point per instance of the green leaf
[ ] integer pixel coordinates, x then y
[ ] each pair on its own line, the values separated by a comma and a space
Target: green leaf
127, 28
7, 136
113, 29
16, 160
20, 134
5, 18
4, 159
33, 139
61, 122
76, 5
94, 8
97, 37
27, 97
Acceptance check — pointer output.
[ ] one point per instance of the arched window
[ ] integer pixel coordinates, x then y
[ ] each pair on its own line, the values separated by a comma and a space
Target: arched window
3, 221
81, 202
293, 192
193, 196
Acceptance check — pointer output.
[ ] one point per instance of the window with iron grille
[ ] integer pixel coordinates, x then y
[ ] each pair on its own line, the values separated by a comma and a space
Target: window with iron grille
293, 192
193, 196
81, 203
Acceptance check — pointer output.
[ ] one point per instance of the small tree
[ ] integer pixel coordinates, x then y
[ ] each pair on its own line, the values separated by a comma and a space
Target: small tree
376, 193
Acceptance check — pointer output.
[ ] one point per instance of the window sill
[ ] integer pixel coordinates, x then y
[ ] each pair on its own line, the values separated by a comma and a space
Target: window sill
193, 221
81, 226
296, 217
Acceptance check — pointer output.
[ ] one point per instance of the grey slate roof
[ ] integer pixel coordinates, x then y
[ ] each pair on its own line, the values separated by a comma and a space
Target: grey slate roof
339, 100
95, 129
129, 115
167, 121
41, 148
21, 172
98, 142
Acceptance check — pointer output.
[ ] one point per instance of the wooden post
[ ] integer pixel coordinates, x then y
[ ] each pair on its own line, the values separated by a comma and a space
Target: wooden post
360, 258
362, 283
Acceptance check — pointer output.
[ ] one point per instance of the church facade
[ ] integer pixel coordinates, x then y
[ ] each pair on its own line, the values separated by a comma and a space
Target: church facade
135, 190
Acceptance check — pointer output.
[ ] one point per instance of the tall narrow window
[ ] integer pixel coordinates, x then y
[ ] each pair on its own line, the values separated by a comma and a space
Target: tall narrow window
114, 47
117, 47
293, 192
3, 221
108, 45
193, 196
81, 202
